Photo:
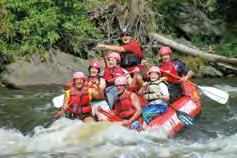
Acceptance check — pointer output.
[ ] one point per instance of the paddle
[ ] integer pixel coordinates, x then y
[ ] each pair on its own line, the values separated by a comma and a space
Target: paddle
186, 119
111, 116
218, 95
58, 101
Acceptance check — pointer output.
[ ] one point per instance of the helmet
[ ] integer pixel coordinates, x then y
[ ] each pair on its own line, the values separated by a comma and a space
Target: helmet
79, 74
154, 69
114, 55
124, 32
165, 50
96, 64
121, 81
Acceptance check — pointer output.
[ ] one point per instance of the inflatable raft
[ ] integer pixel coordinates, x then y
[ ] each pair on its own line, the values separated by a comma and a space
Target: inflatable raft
189, 103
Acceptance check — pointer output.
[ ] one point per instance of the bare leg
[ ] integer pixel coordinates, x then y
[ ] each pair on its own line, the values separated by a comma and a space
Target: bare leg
88, 119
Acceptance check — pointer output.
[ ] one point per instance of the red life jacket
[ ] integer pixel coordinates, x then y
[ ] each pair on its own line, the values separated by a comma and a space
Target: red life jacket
170, 68
123, 106
111, 73
79, 102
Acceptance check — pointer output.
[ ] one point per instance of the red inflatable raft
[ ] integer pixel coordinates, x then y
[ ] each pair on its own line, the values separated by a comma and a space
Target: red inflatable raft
189, 103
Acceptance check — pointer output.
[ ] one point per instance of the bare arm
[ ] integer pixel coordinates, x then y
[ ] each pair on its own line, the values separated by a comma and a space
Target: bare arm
136, 104
189, 74
111, 47
187, 77
65, 101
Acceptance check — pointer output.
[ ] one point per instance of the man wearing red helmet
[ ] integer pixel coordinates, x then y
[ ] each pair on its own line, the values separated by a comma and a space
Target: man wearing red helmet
175, 67
131, 52
77, 100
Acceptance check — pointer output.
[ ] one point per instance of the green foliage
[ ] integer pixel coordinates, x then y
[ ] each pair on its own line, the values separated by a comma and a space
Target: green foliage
227, 48
33, 26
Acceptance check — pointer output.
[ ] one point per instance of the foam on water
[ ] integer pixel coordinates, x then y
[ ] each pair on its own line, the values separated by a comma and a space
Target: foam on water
75, 138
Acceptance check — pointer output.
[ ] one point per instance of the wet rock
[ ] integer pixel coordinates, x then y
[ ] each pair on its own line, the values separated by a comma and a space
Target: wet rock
209, 71
57, 69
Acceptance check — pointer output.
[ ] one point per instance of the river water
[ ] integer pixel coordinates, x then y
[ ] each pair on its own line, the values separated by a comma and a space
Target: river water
25, 113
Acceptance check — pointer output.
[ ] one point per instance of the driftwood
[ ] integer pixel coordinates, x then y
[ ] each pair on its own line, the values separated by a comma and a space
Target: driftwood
192, 51
226, 67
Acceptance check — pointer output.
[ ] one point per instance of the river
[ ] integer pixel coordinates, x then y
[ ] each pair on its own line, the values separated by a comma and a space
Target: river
25, 113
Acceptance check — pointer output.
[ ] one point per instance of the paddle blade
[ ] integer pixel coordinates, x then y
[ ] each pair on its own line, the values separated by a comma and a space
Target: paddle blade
58, 101
218, 95
185, 118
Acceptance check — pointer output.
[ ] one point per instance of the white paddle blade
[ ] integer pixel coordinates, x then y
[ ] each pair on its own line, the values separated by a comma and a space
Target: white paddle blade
216, 94
58, 101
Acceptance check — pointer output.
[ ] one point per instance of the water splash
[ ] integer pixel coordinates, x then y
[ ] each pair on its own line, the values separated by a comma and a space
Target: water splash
74, 138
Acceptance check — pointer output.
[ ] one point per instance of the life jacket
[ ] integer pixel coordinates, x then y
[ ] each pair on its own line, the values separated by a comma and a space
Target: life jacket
79, 102
69, 85
123, 106
170, 68
152, 89
111, 73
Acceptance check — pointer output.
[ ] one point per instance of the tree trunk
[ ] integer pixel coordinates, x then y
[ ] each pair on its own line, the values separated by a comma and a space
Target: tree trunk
192, 51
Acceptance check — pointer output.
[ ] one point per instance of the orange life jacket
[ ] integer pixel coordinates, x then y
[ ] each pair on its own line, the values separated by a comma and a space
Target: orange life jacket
79, 102
111, 73
170, 68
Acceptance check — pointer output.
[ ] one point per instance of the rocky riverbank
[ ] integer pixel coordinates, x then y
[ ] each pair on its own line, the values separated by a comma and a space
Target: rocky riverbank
58, 67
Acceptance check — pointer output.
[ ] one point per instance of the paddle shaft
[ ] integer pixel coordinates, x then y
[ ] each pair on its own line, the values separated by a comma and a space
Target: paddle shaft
217, 94
115, 118
177, 77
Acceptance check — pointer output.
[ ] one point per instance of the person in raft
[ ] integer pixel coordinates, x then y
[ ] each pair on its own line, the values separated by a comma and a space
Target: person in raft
96, 81
127, 105
112, 71
131, 52
174, 67
77, 100
156, 93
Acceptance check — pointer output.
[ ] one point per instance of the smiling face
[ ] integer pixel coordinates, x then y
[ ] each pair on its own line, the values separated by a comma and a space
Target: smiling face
121, 89
166, 58
94, 71
154, 76
112, 61
126, 39
78, 83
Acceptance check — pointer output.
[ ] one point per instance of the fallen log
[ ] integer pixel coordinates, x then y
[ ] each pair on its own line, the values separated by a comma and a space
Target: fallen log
192, 51
227, 68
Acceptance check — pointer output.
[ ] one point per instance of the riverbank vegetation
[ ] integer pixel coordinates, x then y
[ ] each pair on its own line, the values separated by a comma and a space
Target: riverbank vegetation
74, 26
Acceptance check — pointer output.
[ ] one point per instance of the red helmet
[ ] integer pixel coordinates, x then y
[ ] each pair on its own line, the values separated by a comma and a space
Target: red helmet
96, 64
114, 55
165, 50
79, 74
121, 81
154, 69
